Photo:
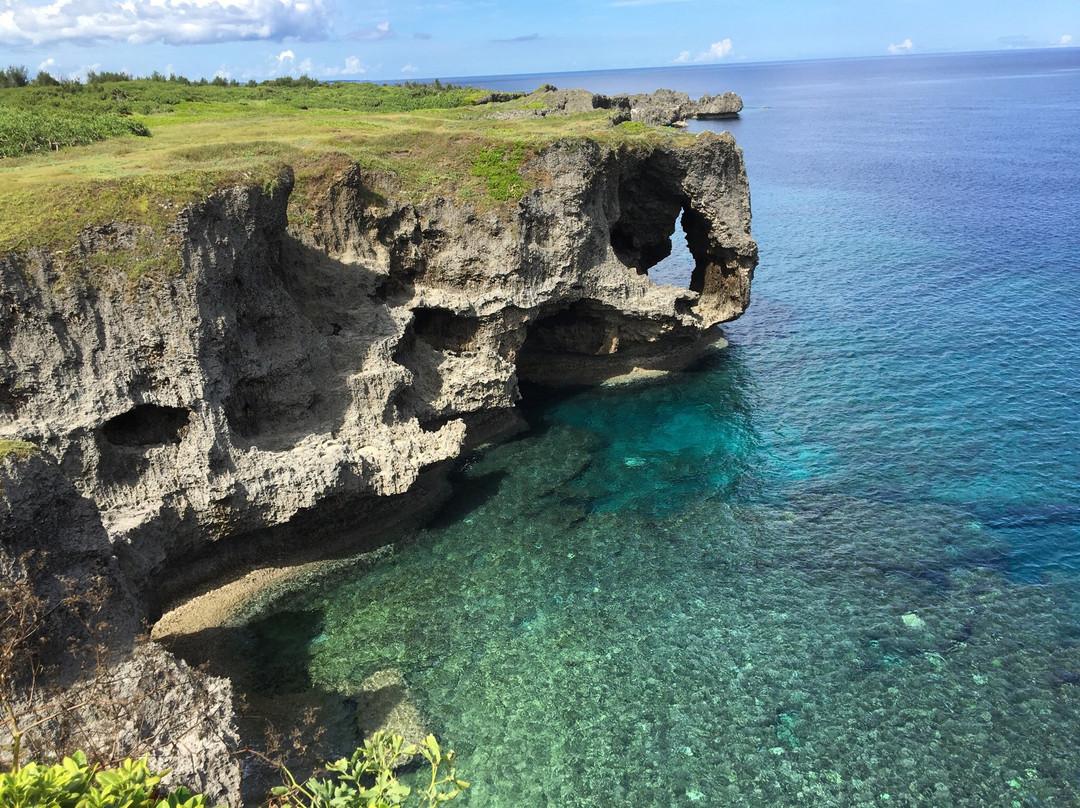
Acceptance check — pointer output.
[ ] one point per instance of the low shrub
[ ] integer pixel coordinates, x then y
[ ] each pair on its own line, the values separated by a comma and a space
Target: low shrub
501, 167
364, 780
26, 131
73, 783
367, 778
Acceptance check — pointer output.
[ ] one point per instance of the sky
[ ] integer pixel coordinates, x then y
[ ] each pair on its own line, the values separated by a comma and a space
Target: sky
421, 39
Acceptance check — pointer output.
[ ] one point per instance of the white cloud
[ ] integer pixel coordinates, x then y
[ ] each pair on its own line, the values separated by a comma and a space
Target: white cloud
173, 22
80, 74
903, 47
47, 65
353, 67
306, 66
716, 51
410, 69
286, 56
380, 31
1065, 39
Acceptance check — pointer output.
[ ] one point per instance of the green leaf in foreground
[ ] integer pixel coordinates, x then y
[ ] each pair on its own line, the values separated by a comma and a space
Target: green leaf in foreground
367, 778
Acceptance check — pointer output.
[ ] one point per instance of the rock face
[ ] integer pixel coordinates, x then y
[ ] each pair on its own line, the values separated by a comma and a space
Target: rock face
94, 688
290, 373
289, 380
667, 107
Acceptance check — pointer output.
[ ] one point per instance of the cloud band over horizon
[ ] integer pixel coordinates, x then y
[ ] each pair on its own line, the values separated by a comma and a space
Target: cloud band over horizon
172, 22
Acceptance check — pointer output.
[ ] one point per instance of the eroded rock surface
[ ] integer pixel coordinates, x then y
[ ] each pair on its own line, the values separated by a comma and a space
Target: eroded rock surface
292, 371
82, 679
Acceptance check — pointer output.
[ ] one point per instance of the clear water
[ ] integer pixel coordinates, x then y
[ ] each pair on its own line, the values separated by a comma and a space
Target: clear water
836, 564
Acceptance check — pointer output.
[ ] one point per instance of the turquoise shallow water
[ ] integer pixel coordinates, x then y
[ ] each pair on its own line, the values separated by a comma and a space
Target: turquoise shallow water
835, 564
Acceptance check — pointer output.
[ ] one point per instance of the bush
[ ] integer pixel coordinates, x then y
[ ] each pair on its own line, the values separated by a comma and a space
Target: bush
45, 79
73, 783
106, 75
14, 77
367, 780
27, 131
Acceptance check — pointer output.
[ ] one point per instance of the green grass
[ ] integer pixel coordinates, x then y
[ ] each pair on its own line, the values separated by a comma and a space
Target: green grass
18, 449
500, 166
428, 141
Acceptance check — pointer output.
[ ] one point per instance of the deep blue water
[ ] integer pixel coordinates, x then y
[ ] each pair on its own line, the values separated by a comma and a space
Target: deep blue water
835, 564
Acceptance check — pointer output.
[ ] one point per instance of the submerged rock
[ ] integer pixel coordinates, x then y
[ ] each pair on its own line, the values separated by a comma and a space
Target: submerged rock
384, 704
912, 620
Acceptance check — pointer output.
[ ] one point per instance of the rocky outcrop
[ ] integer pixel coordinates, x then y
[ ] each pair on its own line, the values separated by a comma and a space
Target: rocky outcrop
668, 108
81, 679
290, 381
726, 105
298, 375
659, 108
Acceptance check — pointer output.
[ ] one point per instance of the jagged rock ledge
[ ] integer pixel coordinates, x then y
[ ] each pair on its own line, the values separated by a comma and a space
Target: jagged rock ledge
292, 382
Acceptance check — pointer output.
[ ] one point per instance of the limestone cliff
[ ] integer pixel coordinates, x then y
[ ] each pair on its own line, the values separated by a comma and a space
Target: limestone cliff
294, 373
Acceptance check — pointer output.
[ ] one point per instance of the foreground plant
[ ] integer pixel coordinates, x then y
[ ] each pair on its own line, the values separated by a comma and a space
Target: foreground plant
73, 783
367, 779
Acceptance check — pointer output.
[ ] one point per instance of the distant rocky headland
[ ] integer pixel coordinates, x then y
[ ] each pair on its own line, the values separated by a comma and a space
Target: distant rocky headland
660, 108
319, 356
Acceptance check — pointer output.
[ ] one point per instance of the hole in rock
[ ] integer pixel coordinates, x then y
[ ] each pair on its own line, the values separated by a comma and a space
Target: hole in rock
444, 330
677, 268
663, 238
146, 425
636, 249
436, 423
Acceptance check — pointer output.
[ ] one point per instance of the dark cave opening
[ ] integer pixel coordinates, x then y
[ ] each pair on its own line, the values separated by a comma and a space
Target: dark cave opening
445, 330
584, 327
638, 249
146, 425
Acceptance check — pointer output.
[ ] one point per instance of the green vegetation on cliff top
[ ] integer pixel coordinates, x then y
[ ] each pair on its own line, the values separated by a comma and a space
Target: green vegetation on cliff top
161, 145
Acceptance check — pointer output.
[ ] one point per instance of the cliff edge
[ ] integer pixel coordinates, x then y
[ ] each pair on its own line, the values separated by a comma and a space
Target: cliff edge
294, 375
214, 350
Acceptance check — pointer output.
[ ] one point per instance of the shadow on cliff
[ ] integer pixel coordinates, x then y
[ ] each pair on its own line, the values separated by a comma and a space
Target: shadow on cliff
287, 333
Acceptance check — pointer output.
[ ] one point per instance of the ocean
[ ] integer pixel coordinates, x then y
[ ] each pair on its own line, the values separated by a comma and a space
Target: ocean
837, 563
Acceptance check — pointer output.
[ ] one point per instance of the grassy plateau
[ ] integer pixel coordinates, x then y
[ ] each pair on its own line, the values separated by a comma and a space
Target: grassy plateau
79, 155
